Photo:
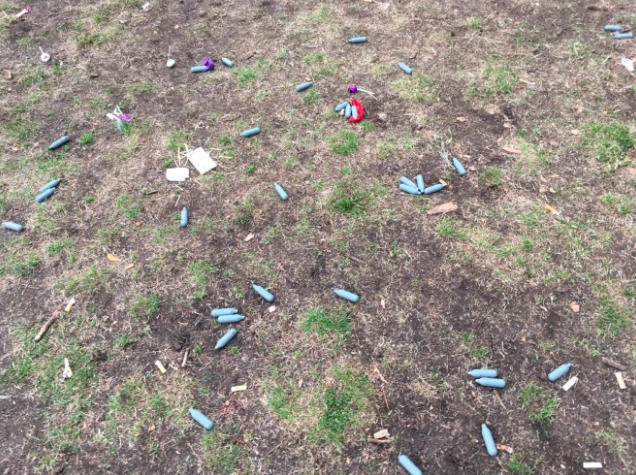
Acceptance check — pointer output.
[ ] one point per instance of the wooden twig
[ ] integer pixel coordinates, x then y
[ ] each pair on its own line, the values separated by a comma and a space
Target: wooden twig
614, 364
45, 328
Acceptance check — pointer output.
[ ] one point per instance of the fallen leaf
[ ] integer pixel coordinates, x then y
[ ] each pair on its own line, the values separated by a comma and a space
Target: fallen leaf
551, 209
249, 237
512, 150
443, 208
112, 258
129, 266
574, 306
461, 119
381, 434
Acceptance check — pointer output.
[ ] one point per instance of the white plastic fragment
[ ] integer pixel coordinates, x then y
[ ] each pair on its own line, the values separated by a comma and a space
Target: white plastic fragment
161, 367
67, 372
571, 382
177, 174
146, 7
44, 57
236, 389
620, 380
592, 465
628, 63
201, 160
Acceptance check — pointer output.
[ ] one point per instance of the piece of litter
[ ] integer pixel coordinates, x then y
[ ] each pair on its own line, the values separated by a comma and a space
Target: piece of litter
161, 367
112, 258
551, 209
69, 305
614, 364
574, 306
170, 63
146, 7
201, 160
128, 267
67, 372
177, 174
381, 434
185, 359
628, 63
504, 448
461, 119
111, 116
249, 237
511, 150
46, 57
592, 465
237, 389
620, 380
22, 13
443, 208
272, 309
45, 328
571, 382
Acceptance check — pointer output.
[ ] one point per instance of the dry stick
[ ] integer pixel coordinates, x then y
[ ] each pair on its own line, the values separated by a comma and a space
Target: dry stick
185, 359
45, 328
614, 364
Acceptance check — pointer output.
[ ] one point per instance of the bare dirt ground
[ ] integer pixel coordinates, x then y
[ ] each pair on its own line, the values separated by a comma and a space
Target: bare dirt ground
534, 269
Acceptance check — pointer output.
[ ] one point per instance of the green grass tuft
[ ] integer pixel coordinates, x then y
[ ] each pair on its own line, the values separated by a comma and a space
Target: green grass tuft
345, 143
347, 198
613, 318
492, 177
333, 322
146, 307
538, 404
418, 87
610, 141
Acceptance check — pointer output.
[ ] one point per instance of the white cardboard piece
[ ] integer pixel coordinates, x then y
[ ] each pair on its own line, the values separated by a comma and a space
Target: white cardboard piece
177, 174
201, 160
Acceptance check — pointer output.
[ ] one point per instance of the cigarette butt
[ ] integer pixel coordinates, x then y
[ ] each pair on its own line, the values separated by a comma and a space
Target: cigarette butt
592, 465
185, 359
236, 389
621, 381
129, 266
504, 448
45, 328
67, 372
69, 305
159, 365
571, 382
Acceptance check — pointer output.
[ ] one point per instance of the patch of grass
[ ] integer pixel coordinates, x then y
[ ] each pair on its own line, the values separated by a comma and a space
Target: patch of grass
146, 307
60, 247
201, 271
37, 77
448, 229
502, 77
474, 350
177, 139
139, 88
90, 282
220, 454
343, 406
524, 465
492, 177
418, 87
311, 97
610, 142
322, 15
347, 198
27, 104
345, 143
245, 74
21, 130
475, 24
613, 318
124, 341
86, 139
329, 323
279, 402
128, 206
607, 438
245, 211
540, 407
107, 235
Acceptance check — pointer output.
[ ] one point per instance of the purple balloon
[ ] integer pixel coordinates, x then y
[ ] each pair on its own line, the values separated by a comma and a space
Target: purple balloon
353, 89
208, 63
125, 117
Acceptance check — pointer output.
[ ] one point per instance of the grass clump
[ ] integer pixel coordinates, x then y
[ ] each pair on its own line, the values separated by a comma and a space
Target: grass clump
220, 454
146, 307
343, 406
613, 318
279, 402
90, 282
201, 271
177, 139
492, 177
348, 198
474, 350
448, 230
418, 87
345, 143
538, 404
330, 323
610, 142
